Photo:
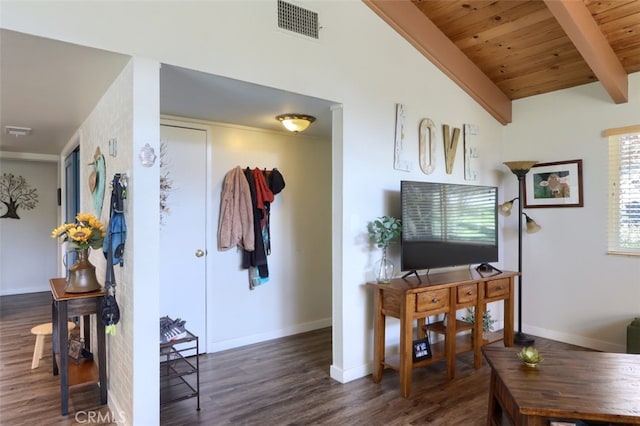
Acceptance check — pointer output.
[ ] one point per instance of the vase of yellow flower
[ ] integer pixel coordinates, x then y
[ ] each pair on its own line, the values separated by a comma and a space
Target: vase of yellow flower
86, 233
82, 275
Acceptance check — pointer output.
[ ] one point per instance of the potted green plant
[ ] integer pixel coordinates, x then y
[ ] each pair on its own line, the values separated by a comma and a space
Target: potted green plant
487, 320
382, 231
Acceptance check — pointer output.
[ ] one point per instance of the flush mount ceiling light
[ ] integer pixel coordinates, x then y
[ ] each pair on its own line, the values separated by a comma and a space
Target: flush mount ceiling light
17, 131
295, 122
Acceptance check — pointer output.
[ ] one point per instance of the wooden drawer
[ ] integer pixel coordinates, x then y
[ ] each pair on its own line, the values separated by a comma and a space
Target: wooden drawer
432, 300
467, 293
497, 288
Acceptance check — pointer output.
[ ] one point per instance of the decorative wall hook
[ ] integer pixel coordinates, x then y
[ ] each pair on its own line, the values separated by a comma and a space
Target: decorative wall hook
147, 156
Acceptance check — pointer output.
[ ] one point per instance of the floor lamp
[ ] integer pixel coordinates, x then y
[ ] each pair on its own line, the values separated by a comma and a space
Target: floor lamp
520, 169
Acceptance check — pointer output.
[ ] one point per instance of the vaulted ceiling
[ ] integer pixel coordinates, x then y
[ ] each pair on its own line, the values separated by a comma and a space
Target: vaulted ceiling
503, 50
497, 51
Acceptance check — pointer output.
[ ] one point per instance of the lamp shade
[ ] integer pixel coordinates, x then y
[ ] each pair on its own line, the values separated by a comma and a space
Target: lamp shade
505, 208
295, 122
520, 168
532, 225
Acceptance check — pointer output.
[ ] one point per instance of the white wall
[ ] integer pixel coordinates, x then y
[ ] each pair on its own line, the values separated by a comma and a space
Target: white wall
573, 291
359, 61
27, 241
297, 297
128, 112
142, 218
577, 292
112, 118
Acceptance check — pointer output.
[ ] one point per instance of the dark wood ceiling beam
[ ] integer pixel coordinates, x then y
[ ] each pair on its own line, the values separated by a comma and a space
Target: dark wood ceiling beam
576, 20
417, 29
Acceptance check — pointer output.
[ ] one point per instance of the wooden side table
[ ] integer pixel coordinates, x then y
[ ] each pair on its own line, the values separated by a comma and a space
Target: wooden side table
414, 299
64, 306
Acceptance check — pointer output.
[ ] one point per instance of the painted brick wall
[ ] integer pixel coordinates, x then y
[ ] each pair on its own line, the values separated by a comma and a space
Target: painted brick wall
112, 118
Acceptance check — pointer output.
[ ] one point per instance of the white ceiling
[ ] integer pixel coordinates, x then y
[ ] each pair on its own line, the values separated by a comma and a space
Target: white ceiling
203, 96
52, 86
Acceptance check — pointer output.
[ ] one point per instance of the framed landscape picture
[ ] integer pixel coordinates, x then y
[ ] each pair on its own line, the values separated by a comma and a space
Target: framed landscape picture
557, 184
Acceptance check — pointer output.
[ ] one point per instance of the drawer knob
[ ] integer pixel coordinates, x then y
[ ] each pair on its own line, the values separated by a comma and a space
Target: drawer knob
499, 287
435, 300
469, 293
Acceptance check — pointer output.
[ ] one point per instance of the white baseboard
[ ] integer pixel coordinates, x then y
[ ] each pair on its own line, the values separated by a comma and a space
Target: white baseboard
270, 335
23, 290
345, 376
572, 339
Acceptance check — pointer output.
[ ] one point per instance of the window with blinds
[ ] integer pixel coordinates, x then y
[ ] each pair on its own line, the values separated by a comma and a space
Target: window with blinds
624, 195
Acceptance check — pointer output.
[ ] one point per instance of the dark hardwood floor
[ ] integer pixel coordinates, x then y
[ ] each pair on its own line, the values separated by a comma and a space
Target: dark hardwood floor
32, 397
280, 382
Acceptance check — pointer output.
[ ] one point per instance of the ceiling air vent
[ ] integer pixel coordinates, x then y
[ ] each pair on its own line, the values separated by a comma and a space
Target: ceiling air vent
297, 19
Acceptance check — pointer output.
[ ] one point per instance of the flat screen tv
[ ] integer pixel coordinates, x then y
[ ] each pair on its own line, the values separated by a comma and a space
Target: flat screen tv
448, 224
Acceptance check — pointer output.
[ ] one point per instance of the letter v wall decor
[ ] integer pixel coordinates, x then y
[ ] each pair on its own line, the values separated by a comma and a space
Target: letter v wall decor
450, 146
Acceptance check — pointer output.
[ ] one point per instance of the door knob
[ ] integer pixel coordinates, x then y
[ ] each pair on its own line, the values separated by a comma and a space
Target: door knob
199, 253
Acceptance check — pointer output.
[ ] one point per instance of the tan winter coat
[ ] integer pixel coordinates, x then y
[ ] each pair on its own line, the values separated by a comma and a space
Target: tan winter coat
235, 227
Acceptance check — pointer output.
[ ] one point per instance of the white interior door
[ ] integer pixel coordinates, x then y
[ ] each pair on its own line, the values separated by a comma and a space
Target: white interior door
183, 231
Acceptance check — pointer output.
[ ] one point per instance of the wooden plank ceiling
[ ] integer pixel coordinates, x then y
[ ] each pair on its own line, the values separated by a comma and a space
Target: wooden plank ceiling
503, 50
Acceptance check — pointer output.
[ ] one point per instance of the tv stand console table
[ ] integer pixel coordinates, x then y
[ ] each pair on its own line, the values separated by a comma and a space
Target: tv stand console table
413, 299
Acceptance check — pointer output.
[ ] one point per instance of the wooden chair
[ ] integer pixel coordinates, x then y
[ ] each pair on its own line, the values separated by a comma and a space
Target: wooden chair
40, 331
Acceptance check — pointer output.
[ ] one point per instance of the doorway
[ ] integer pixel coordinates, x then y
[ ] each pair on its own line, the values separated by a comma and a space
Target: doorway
183, 251
72, 197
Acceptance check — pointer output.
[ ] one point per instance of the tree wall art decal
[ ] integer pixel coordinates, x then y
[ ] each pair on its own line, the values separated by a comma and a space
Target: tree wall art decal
16, 193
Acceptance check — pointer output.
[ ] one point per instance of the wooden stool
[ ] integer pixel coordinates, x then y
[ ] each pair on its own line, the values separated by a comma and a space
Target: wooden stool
40, 331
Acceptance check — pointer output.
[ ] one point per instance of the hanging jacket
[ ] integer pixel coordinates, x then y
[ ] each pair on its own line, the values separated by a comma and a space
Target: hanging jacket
264, 196
258, 257
275, 181
114, 239
236, 224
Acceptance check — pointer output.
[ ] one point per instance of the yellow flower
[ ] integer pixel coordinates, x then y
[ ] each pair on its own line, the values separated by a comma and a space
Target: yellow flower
62, 229
80, 234
87, 232
85, 217
96, 225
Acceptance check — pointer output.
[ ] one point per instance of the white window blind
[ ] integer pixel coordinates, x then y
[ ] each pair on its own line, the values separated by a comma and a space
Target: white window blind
624, 191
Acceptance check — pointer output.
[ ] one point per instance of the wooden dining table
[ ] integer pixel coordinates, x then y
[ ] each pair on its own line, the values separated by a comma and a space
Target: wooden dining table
568, 385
